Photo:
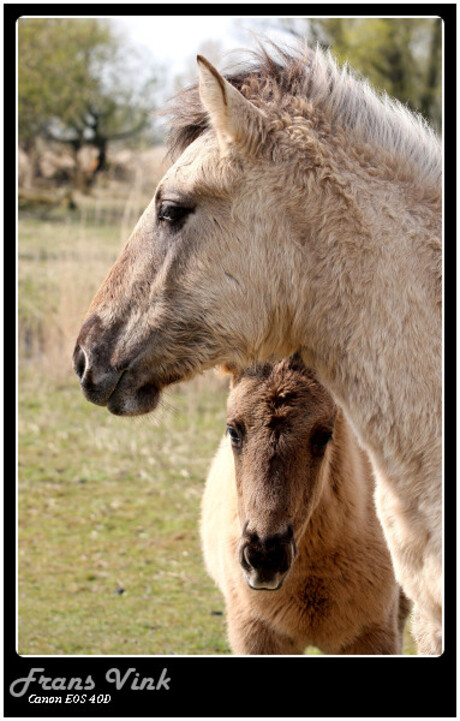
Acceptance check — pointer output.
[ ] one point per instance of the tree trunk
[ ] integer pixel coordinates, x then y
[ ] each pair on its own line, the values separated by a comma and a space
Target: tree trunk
428, 101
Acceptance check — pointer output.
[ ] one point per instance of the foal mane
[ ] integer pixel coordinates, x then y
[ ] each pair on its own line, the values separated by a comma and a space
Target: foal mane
280, 81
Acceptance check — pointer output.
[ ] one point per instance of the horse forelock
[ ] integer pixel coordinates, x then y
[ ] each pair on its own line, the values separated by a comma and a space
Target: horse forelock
308, 81
283, 390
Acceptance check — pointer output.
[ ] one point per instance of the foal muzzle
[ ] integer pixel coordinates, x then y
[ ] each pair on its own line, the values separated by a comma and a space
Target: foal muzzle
266, 562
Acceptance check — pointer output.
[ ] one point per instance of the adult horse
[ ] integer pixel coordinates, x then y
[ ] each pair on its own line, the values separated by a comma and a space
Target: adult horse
303, 213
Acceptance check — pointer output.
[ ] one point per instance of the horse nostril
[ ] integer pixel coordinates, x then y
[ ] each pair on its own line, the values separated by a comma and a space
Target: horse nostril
246, 556
272, 556
79, 362
245, 559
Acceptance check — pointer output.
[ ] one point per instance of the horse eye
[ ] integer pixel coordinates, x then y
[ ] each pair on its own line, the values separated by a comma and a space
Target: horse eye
319, 440
172, 212
235, 436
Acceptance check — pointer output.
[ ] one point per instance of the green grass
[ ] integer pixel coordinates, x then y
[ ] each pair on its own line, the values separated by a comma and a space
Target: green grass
109, 551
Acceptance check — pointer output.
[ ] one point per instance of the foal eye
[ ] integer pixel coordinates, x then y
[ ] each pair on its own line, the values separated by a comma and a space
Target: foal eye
172, 212
235, 436
319, 440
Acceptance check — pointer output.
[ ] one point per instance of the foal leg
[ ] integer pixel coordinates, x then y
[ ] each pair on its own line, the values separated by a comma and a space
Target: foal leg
375, 640
253, 636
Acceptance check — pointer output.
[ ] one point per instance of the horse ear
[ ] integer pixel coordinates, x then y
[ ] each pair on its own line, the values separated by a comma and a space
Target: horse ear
225, 369
232, 370
233, 117
228, 369
295, 362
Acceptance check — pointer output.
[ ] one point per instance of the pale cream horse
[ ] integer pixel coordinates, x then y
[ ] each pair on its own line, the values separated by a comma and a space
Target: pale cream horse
303, 213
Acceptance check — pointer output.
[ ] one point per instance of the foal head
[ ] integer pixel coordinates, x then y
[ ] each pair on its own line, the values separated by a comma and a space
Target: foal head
280, 420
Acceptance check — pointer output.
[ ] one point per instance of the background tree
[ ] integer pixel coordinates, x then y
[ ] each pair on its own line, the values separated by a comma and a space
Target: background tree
212, 50
77, 84
402, 56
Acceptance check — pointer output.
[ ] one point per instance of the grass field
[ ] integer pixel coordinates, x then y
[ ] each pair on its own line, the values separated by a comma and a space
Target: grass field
109, 558
109, 553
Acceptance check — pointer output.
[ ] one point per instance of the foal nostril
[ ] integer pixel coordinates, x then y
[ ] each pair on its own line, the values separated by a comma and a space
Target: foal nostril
245, 560
254, 557
79, 362
245, 557
262, 558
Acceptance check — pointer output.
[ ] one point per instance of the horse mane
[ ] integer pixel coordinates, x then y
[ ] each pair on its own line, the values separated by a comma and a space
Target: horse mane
278, 82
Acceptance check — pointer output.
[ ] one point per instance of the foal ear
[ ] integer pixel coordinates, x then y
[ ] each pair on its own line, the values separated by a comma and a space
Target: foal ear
234, 118
230, 369
295, 362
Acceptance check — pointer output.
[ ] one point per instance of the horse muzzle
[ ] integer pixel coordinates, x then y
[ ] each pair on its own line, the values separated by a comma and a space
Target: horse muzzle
266, 562
115, 388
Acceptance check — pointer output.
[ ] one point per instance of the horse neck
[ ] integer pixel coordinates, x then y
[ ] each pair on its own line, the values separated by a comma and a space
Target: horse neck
368, 273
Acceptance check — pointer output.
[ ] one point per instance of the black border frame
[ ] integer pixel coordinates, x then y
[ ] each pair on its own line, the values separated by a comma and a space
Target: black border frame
234, 686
